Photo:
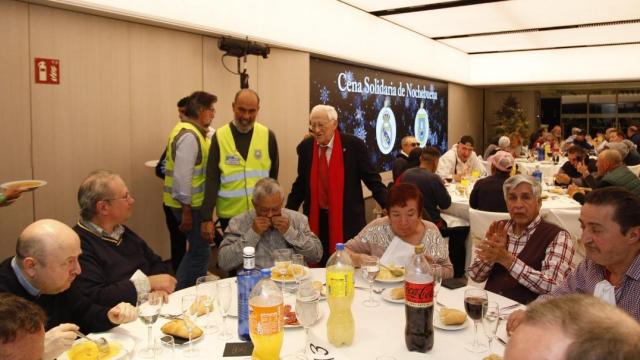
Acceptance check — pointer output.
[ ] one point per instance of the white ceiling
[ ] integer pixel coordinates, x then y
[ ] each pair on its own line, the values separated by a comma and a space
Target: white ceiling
504, 26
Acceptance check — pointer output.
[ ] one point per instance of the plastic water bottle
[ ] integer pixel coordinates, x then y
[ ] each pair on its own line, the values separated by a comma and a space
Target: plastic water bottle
340, 282
540, 151
537, 174
248, 277
418, 289
266, 318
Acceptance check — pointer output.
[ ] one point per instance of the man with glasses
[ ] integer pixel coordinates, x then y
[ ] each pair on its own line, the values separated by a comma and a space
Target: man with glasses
184, 182
407, 144
242, 152
267, 227
116, 263
460, 161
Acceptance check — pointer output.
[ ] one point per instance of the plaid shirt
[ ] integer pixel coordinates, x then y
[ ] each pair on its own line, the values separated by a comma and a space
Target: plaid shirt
588, 274
557, 263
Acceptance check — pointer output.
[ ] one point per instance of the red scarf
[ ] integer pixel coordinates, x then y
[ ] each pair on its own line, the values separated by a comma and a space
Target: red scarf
336, 192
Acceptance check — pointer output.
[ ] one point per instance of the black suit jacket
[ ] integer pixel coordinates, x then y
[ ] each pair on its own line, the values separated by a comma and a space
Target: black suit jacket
356, 167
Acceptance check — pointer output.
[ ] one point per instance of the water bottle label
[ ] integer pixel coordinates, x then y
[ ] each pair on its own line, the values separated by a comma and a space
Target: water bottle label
266, 320
339, 284
418, 295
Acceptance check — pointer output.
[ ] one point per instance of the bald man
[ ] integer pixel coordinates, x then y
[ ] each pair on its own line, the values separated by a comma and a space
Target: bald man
45, 265
611, 172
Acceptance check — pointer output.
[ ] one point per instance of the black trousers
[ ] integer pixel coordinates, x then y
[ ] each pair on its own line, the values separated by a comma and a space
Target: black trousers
324, 236
457, 247
177, 237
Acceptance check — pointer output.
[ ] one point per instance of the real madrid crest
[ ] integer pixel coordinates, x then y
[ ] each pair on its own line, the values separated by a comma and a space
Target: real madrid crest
257, 154
386, 128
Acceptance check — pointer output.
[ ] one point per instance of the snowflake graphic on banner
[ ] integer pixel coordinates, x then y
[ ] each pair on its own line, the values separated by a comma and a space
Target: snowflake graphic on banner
359, 115
360, 132
324, 95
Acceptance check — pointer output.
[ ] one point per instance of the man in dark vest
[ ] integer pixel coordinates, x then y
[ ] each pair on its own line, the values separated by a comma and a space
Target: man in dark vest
525, 256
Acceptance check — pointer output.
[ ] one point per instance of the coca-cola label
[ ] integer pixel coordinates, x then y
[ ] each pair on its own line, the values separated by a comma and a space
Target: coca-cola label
418, 295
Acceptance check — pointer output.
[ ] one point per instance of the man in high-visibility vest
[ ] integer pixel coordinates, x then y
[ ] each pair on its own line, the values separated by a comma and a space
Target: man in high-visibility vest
242, 152
187, 154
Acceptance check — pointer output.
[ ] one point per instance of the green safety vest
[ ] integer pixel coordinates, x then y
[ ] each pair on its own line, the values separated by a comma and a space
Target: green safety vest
199, 169
238, 176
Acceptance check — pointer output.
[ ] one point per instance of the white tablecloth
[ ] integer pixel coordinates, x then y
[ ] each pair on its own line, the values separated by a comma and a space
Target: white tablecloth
547, 168
379, 330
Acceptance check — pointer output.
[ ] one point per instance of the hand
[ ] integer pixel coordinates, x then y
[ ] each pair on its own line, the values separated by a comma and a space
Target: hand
582, 169
572, 189
281, 223
206, 230
187, 219
457, 177
159, 294
493, 249
261, 224
515, 319
358, 259
11, 194
162, 282
563, 179
122, 313
58, 340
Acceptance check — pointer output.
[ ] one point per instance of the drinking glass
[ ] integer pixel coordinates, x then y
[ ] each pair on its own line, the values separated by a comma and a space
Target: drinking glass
224, 301
437, 281
370, 269
307, 311
206, 290
474, 299
149, 305
297, 267
189, 315
282, 261
490, 319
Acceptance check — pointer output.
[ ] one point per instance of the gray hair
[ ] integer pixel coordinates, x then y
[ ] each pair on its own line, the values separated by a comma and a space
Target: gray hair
94, 188
326, 110
266, 187
516, 180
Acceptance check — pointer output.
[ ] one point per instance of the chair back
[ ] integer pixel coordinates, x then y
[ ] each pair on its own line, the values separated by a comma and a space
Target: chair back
568, 219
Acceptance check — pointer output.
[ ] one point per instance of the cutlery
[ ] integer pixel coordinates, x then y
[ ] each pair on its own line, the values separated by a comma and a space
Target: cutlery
393, 271
377, 291
101, 343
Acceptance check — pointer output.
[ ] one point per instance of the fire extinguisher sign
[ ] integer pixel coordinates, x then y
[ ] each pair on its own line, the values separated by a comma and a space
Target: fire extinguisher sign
47, 71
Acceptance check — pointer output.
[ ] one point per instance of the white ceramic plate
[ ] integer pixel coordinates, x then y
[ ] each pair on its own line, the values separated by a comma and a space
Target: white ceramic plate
275, 276
29, 184
127, 345
438, 324
392, 280
386, 295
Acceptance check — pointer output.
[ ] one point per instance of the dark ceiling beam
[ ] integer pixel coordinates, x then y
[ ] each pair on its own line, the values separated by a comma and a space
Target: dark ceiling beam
428, 7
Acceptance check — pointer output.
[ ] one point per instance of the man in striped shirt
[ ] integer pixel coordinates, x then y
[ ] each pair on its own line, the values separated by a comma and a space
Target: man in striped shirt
525, 256
610, 220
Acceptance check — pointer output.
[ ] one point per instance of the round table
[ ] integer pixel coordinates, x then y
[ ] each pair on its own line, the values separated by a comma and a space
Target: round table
548, 168
379, 330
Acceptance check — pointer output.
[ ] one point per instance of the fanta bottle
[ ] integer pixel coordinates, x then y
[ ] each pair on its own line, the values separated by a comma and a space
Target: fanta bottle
266, 318
340, 325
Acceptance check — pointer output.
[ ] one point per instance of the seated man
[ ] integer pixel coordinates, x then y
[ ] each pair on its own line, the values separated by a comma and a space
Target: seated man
460, 160
610, 220
267, 227
45, 265
21, 329
581, 140
526, 255
627, 150
579, 165
407, 143
111, 252
501, 143
575, 327
611, 172
487, 193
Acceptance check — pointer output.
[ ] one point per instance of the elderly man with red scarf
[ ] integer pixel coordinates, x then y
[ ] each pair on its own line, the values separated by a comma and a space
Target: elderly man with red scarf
330, 167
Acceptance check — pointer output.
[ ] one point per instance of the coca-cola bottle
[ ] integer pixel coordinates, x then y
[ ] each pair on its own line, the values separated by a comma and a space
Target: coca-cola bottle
418, 292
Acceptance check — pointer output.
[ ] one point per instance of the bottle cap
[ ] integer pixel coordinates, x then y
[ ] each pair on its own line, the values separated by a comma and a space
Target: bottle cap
249, 251
265, 272
419, 249
340, 246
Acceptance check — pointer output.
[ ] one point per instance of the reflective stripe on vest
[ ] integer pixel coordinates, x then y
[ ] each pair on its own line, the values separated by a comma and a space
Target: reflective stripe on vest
238, 175
198, 176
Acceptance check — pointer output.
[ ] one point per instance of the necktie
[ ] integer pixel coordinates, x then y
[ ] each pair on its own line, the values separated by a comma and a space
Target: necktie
323, 179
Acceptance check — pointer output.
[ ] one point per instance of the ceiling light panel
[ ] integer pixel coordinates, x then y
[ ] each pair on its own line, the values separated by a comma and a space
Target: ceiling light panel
597, 35
377, 5
515, 15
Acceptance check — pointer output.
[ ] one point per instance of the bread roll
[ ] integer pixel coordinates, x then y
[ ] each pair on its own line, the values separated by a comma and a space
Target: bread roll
201, 305
492, 357
397, 293
452, 316
178, 328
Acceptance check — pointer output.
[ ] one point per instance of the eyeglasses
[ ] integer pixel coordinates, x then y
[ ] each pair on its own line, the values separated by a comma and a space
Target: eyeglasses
415, 144
126, 197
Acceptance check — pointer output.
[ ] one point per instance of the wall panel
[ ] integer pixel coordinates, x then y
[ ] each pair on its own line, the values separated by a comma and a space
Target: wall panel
465, 115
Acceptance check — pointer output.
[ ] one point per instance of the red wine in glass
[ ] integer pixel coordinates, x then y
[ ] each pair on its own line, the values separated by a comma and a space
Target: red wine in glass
473, 306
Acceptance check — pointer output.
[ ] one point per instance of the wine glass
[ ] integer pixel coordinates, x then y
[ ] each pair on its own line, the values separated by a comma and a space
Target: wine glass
297, 267
490, 318
149, 305
473, 301
437, 280
307, 311
189, 315
370, 268
224, 301
206, 290
282, 261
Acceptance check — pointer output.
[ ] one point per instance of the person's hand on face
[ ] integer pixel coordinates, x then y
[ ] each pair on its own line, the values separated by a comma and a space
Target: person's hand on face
280, 223
582, 169
261, 224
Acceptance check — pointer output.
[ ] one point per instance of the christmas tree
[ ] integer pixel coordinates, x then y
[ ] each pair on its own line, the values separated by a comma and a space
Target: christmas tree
511, 118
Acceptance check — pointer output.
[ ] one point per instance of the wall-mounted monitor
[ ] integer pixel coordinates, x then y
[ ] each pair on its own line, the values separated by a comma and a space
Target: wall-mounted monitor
381, 107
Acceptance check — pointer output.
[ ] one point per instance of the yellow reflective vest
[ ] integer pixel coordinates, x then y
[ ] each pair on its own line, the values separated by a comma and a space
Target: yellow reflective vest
238, 175
199, 170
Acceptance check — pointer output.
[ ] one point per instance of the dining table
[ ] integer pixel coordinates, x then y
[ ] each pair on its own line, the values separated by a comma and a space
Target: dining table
379, 331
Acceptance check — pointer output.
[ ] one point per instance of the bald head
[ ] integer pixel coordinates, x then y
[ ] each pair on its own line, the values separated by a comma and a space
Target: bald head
248, 94
47, 252
245, 106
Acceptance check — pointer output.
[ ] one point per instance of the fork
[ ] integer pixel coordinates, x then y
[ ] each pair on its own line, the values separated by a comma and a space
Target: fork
377, 291
101, 343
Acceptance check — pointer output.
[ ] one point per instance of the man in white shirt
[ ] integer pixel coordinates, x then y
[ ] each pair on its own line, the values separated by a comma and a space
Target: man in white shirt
460, 161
